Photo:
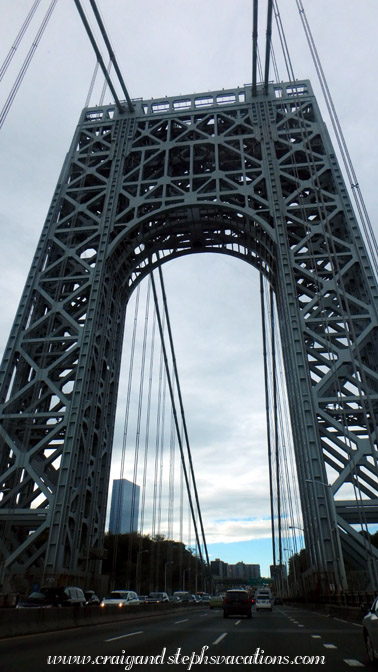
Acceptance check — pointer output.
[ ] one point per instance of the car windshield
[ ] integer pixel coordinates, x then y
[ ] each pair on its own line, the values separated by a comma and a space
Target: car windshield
157, 596
115, 596
237, 594
37, 596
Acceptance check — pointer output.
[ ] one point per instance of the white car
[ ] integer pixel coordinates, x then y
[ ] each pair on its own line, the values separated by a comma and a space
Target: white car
370, 632
263, 601
120, 598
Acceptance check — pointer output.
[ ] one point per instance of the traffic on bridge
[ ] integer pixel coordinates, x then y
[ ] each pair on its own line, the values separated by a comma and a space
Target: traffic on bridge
196, 638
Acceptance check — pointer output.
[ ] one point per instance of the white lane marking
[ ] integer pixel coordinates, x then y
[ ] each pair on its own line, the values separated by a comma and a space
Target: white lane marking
353, 663
316, 636
300, 626
358, 625
183, 620
129, 634
330, 646
220, 638
339, 619
237, 622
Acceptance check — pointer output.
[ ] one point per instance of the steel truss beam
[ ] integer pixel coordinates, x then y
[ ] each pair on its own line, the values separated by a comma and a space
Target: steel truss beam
253, 177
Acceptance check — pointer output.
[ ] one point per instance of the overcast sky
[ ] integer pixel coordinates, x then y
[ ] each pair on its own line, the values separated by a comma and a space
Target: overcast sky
168, 47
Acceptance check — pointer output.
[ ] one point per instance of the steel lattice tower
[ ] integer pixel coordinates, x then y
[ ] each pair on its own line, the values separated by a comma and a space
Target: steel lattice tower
251, 176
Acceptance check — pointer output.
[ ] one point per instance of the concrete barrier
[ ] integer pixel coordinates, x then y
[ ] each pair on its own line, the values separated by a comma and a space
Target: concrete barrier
345, 612
14, 622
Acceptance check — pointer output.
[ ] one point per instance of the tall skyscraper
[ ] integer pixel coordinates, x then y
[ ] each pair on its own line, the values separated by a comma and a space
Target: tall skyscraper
124, 509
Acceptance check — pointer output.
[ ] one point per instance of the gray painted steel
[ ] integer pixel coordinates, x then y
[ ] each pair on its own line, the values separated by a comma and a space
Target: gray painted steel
253, 177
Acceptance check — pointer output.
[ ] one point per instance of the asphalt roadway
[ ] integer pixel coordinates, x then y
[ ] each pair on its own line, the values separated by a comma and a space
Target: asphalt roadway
199, 638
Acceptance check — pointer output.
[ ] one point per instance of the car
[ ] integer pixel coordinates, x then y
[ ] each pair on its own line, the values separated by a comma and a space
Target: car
120, 598
205, 599
157, 598
184, 595
196, 599
174, 599
263, 591
54, 596
370, 632
263, 601
278, 600
216, 601
143, 599
237, 603
91, 599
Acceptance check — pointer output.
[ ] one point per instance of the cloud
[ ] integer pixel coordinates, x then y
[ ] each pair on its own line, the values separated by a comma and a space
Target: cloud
230, 531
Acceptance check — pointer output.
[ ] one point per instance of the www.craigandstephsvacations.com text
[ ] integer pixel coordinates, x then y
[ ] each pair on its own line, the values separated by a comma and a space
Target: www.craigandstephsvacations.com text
259, 657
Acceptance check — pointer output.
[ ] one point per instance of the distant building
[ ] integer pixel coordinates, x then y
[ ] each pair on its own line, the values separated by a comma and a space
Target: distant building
236, 571
124, 508
218, 569
239, 570
252, 571
242, 571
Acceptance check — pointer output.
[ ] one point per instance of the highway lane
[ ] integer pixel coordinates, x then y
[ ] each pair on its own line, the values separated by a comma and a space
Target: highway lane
193, 639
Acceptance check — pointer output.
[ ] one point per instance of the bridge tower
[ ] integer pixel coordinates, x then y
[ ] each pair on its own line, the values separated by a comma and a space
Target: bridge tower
252, 176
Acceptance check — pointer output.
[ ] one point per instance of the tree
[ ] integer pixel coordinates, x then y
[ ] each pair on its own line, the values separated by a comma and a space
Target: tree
146, 564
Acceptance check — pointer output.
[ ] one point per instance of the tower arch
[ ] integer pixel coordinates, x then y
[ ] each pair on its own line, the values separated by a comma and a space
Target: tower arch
251, 176
176, 232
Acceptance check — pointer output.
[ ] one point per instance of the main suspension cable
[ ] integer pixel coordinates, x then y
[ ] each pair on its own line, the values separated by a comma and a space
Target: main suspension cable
26, 63
351, 174
18, 39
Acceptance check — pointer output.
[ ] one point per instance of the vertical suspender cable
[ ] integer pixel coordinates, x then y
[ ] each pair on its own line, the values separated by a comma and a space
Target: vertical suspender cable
156, 467
91, 86
254, 47
285, 50
18, 39
26, 63
183, 415
276, 437
146, 443
105, 86
160, 479
137, 437
124, 440
267, 406
175, 413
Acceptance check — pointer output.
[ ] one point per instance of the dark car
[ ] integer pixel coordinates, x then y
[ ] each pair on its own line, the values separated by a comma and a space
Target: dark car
143, 599
60, 596
91, 599
157, 598
237, 603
